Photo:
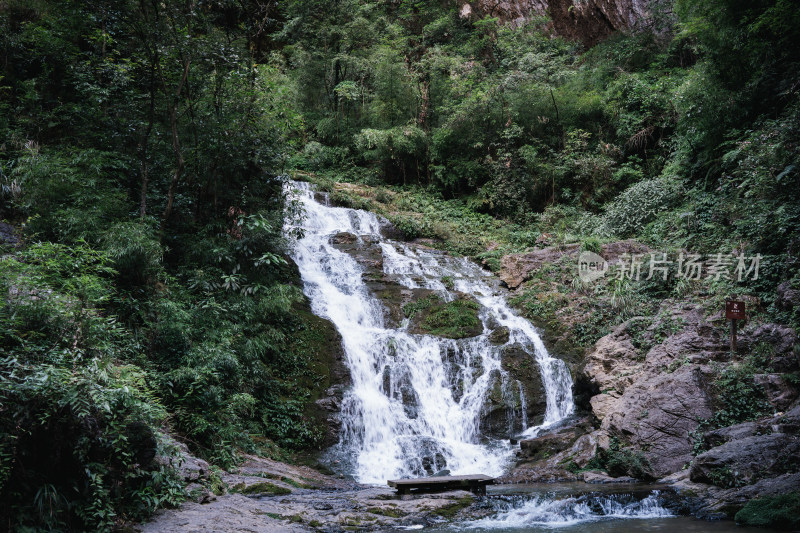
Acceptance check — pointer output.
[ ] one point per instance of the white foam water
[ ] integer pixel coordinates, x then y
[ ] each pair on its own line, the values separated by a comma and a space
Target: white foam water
415, 402
545, 511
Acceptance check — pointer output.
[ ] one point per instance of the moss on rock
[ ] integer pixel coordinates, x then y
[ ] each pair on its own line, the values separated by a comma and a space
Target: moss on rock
457, 319
262, 488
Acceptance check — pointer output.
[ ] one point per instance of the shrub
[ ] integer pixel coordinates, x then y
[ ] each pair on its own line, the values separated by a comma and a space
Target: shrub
70, 195
638, 205
77, 428
411, 227
782, 511
592, 244
739, 398
135, 252
79, 451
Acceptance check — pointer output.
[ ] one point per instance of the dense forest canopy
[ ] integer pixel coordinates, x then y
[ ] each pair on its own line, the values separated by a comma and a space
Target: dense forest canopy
144, 145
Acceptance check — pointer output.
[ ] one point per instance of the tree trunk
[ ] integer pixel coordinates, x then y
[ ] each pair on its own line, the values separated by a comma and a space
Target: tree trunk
142, 149
176, 146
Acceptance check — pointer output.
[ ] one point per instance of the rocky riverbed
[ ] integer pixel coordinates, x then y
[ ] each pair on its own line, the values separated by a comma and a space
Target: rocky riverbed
269, 496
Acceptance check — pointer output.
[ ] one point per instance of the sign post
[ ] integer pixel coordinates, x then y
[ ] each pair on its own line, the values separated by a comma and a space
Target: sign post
734, 310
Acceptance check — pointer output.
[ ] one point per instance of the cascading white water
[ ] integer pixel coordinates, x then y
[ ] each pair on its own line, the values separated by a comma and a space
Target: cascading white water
550, 512
415, 401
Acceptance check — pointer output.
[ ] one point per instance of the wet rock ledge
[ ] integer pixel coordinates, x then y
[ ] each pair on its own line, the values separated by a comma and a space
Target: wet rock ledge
269, 496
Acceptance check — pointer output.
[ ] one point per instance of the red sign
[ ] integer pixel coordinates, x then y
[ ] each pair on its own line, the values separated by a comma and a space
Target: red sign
734, 310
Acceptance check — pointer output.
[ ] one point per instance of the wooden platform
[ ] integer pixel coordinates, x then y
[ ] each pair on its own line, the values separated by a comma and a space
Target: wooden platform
476, 484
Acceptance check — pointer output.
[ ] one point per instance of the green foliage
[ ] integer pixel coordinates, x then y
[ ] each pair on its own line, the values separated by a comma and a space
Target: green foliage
78, 428
637, 206
423, 304
399, 148
620, 460
724, 477
738, 398
782, 511
71, 195
141, 157
136, 253
592, 244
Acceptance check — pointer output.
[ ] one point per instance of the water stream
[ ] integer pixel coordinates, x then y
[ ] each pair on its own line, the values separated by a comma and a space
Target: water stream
417, 402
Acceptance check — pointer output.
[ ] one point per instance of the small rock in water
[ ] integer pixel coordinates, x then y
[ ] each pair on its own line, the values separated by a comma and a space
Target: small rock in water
442, 473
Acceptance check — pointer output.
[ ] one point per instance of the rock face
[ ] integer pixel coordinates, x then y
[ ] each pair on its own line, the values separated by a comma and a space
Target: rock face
779, 341
612, 367
8, 234
522, 369
788, 297
655, 386
746, 460
588, 21
654, 400
658, 413
777, 389
516, 268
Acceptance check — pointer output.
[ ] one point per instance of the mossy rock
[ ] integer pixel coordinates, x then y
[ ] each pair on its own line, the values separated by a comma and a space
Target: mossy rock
499, 335
261, 488
457, 319
522, 366
450, 510
392, 512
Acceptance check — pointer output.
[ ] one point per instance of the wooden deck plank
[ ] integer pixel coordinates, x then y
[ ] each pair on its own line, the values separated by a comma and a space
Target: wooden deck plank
439, 480
475, 483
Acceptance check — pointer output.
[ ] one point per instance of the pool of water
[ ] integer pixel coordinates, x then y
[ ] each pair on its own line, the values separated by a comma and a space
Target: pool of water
676, 524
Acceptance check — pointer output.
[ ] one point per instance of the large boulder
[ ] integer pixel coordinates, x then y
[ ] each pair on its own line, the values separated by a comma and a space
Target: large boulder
718, 437
364, 248
780, 341
657, 414
788, 422
613, 364
547, 446
746, 460
516, 268
653, 382
558, 455
502, 410
787, 296
523, 369
778, 391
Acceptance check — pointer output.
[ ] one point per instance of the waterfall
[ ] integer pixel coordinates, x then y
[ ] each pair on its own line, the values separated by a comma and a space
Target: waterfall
416, 401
